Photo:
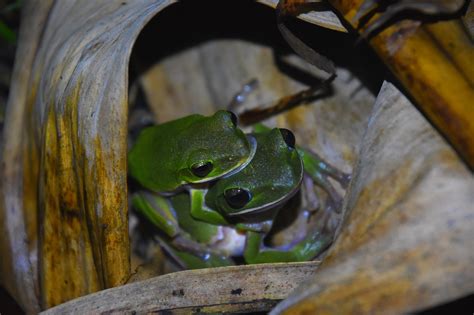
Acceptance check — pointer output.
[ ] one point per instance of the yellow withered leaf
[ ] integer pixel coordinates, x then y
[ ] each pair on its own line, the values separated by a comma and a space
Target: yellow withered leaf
433, 61
406, 242
64, 213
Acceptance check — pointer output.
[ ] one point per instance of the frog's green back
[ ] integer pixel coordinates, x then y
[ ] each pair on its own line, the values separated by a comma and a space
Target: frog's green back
162, 156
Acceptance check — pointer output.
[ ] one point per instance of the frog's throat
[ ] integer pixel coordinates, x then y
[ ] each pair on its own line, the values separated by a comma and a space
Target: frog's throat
253, 149
276, 202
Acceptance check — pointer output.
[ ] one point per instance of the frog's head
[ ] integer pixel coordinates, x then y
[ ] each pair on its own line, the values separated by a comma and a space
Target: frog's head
192, 149
214, 147
272, 177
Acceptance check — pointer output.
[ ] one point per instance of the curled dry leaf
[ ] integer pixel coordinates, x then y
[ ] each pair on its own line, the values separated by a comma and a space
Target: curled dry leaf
406, 242
433, 63
64, 206
324, 16
468, 19
426, 7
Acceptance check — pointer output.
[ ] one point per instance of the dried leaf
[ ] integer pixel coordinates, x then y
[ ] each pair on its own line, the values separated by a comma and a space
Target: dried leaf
325, 18
65, 151
426, 7
406, 243
432, 62
305, 51
468, 19
18, 220
246, 288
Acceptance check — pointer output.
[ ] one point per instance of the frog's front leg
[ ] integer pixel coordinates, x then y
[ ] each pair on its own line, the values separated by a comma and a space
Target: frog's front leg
319, 171
159, 212
316, 163
200, 211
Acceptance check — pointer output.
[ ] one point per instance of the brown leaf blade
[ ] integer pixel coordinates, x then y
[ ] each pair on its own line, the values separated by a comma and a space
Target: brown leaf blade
406, 243
326, 18
425, 7
220, 290
18, 213
432, 63
65, 157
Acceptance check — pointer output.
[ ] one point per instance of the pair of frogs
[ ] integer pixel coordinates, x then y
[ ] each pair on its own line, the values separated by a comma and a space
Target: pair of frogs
214, 191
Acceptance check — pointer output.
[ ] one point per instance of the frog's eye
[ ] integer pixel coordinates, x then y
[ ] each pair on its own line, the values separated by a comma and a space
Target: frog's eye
233, 117
201, 169
289, 137
237, 197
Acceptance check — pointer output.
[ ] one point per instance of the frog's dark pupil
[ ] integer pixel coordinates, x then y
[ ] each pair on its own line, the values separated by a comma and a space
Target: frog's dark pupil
201, 170
233, 117
237, 197
289, 137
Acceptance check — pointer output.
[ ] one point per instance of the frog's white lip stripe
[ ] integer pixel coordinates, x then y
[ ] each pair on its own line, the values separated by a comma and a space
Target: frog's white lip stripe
276, 202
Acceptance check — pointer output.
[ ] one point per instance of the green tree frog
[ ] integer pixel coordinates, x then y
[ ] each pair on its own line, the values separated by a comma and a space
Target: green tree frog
232, 215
